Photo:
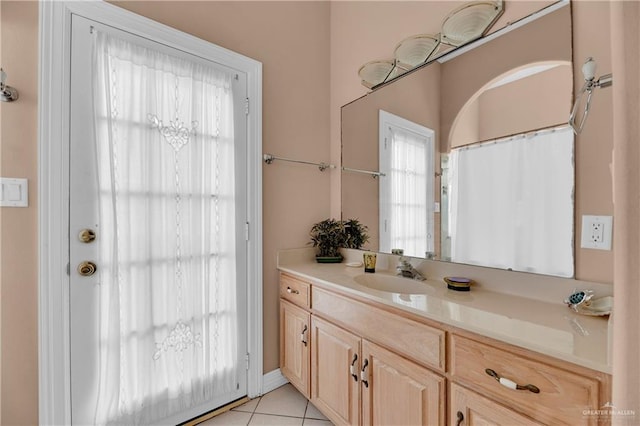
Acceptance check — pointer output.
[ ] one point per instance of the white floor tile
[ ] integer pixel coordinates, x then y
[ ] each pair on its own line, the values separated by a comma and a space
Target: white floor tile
314, 413
270, 420
248, 407
284, 401
316, 422
230, 418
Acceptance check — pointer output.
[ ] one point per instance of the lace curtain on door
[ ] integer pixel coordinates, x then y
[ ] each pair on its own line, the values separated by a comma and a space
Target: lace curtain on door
511, 204
165, 145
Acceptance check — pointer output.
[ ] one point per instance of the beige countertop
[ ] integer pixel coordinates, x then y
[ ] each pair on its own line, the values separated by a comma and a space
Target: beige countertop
548, 328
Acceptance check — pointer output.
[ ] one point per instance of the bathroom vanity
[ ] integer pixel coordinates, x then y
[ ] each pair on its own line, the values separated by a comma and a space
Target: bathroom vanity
377, 349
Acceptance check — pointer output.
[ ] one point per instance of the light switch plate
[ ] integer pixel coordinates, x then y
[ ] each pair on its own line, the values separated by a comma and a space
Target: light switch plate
14, 192
597, 232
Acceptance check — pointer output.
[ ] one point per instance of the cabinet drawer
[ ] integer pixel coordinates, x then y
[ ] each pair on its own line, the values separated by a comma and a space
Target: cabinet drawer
412, 339
563, 395
470, 408
294, 290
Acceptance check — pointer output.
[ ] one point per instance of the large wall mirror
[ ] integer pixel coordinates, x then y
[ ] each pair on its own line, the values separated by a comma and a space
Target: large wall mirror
471, 156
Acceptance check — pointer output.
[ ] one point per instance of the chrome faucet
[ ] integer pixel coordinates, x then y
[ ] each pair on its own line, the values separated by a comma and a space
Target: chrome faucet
405, 269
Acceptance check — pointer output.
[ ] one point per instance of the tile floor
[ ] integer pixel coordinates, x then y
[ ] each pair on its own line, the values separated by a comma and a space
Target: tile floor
284, 406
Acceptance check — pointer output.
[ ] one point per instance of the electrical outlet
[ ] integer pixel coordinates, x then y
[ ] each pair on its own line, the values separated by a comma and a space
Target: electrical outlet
597, 232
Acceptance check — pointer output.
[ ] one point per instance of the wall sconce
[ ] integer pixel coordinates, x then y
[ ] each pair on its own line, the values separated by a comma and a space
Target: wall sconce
7, 93
590, 83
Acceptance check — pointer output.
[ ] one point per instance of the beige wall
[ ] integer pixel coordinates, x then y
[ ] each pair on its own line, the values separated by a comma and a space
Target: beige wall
18, 229
626, 112
310, 51
592, 30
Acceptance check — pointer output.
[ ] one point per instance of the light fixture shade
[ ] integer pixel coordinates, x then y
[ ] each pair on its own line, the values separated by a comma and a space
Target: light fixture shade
589, 69
376, 72
416, 50
470, 21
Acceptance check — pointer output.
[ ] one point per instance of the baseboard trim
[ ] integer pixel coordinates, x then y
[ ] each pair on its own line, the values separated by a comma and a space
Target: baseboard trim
273, 380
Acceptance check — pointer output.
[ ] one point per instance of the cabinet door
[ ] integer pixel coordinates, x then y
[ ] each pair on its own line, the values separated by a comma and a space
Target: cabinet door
396, 391
470, 409
334, 390
294, 345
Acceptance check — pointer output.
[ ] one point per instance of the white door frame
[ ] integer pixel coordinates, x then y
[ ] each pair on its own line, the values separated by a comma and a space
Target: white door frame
53, 189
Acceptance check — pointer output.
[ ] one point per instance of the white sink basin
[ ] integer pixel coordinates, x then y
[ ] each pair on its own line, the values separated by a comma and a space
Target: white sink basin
392, 284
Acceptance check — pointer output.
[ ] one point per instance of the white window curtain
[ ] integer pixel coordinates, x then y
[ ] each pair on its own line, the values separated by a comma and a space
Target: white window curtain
406, 194
165, 144
511, 203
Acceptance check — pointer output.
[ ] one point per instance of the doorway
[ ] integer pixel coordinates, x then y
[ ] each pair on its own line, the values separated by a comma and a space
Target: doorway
159, 234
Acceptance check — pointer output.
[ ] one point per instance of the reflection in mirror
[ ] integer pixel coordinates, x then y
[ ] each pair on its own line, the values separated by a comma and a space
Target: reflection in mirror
500, 94
406, 152
528, 181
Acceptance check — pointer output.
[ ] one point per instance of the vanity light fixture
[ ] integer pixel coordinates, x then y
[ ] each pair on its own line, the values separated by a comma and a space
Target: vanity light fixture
470, 21
7, 93
590, 83
416, 50
376, 72
463, 25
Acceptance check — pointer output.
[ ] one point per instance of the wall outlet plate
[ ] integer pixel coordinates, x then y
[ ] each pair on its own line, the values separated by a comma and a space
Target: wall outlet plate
597, 232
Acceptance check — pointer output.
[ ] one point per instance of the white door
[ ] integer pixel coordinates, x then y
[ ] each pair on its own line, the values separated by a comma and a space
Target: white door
158, 206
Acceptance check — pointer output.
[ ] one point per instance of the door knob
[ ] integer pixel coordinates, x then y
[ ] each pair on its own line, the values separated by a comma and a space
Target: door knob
87, 235
86, 269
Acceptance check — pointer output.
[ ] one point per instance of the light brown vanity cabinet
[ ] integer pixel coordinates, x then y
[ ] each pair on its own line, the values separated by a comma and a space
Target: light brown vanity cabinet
294, 345
365, 363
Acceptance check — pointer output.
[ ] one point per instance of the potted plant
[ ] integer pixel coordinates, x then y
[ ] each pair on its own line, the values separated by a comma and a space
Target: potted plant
356, 233
330, 234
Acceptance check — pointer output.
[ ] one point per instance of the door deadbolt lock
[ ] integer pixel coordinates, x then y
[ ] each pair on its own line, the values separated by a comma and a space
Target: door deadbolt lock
86, 269
87, 235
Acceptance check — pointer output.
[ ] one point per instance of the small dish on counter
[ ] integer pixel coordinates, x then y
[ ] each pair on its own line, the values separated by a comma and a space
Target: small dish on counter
582, 302
458, 283
599, 307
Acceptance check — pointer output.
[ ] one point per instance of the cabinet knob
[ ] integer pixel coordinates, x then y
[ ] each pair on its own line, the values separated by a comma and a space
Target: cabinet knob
303, 336
510, 383
292, 291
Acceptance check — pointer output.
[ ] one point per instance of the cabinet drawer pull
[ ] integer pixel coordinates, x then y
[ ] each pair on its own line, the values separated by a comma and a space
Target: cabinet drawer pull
364, 375
353, 369
510, 383
292, 291
303, 335
460, 418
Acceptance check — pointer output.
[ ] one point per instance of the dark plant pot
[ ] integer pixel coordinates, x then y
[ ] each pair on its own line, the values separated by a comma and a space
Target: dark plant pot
328, 259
